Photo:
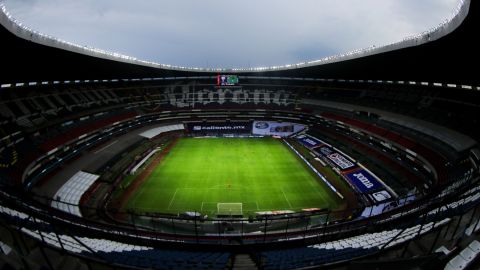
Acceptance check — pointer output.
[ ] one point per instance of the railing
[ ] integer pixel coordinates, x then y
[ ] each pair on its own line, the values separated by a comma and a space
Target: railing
248, 230
102, 242
377, 237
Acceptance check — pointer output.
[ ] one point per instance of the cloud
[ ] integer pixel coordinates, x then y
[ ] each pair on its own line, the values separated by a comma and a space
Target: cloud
227, 33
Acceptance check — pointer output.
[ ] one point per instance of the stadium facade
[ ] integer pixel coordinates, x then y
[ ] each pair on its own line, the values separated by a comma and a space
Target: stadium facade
395, 124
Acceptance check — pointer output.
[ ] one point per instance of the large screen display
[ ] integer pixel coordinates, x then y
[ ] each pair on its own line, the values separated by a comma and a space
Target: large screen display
227, 80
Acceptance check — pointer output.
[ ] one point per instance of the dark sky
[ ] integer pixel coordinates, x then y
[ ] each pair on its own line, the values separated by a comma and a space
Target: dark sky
227, 33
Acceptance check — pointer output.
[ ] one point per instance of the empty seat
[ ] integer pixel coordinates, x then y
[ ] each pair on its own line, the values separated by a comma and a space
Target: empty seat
475, 246
468, 254
456, 263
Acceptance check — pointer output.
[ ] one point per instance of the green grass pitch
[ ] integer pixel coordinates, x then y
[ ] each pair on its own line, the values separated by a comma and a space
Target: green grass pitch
262, 174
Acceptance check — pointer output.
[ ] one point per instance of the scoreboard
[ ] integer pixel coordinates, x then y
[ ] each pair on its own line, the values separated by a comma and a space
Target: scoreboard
227, 80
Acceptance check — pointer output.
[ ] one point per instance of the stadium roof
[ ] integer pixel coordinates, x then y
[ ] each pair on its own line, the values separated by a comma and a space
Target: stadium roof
221, 34
438, 58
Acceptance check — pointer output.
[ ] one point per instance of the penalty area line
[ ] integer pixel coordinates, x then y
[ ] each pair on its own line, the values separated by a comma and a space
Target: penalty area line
171, 200
286, 198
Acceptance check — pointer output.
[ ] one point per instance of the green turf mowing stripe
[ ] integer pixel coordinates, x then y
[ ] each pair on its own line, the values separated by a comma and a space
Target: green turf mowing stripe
261, 173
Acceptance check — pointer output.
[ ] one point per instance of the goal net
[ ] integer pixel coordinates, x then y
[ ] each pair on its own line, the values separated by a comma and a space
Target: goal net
229, 209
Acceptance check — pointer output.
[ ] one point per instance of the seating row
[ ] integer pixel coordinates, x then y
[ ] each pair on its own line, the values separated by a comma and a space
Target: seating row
68, 196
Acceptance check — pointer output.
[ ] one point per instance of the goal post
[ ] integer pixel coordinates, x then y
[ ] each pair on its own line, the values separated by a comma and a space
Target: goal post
230, 209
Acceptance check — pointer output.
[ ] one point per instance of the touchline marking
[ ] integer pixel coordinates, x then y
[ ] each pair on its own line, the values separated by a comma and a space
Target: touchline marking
171, 200
286, 198
136, 197
103, 148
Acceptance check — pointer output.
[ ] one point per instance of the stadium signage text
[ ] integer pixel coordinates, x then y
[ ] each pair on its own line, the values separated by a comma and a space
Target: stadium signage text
339, 160
364, 181
236, 127
308, 141
198, 128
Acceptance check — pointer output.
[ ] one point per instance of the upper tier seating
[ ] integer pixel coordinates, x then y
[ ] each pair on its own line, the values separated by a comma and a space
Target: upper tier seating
74, 133
436, 160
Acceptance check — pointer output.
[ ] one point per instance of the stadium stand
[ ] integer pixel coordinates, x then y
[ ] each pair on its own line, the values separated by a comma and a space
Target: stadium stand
465, 258
336, 251
345, 249
68, 196
410, 146
157, 131
74, 133
116, 252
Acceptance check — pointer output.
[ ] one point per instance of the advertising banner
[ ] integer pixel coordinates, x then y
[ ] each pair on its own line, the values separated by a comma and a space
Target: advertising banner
308, 141
338, 159
363, 181
281, 129
380, 196
219, 127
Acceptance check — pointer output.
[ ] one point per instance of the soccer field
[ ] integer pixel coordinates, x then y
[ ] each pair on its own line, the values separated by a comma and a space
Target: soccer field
249, 175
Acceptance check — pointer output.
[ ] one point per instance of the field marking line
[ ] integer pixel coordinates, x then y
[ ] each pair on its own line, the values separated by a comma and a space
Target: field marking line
141, 178
135, 198
219, 187
286, 199
257, 205
225, 186
171, 200
201, 207
105, 147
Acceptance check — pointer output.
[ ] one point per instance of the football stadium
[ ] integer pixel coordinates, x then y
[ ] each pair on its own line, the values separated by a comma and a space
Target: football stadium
362, 160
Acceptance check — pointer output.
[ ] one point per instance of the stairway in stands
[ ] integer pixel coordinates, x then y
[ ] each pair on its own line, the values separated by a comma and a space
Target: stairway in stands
243, 262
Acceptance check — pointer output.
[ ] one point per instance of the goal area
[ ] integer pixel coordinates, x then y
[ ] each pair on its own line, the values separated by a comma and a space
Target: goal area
229, 209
